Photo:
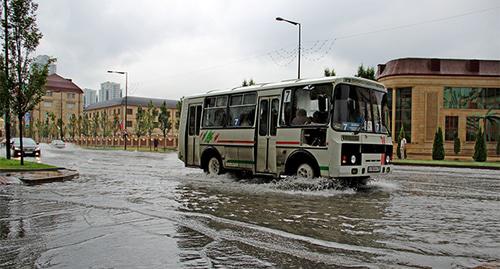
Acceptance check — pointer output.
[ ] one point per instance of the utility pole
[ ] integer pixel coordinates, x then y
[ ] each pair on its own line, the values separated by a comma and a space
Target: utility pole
7, 104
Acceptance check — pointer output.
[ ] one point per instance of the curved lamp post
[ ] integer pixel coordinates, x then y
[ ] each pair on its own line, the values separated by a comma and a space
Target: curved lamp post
294, 23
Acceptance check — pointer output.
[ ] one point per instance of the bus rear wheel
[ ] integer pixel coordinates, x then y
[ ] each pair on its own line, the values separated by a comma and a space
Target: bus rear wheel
214, 166
305, 170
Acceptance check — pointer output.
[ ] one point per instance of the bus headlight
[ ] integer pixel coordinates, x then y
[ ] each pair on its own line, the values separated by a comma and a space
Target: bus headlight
353, 159
387, 159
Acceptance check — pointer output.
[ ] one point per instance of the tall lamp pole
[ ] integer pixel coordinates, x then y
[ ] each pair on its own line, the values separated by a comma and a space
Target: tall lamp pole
294, 23
125, 134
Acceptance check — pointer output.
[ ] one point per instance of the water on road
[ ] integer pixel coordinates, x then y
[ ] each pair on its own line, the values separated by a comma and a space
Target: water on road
146, 210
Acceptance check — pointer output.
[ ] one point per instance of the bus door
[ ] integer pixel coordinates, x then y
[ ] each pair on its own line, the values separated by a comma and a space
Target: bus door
193, 135
266, 134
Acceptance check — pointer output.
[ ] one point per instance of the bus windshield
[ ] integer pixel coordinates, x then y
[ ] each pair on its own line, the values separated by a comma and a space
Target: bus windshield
360, 109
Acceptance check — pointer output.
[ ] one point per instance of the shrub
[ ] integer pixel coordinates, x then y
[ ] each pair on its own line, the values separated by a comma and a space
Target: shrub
437, 146
456, 144
480, 151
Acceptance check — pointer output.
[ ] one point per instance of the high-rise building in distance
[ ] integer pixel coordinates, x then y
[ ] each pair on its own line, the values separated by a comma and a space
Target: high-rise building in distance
109, 90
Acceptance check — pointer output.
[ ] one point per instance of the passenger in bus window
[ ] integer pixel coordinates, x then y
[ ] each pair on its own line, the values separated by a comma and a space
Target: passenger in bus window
300, 118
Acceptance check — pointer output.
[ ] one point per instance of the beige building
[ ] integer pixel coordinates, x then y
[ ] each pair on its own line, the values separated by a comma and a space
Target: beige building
63, 98
116, 107
453, 94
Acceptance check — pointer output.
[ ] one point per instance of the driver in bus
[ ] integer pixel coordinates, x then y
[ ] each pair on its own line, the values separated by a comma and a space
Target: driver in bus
301, 118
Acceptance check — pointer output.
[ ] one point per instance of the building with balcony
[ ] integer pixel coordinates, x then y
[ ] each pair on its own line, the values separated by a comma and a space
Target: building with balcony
454, 94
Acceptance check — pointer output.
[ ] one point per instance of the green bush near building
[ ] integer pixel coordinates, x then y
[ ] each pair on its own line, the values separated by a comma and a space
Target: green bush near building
438, 146
456, 144
480, 151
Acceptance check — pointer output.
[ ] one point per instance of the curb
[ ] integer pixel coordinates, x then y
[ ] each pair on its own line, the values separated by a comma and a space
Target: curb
449, 166
30, 170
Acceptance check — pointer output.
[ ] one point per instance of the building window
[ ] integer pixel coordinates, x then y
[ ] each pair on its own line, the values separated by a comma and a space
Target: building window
403, 112
492, 131
450, 127
471, 98
129, 123
48, 93
472, 128
47, 104
129, 111
70, 105
70, 95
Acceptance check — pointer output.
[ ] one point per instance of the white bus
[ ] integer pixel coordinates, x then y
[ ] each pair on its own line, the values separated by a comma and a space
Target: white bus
336, 127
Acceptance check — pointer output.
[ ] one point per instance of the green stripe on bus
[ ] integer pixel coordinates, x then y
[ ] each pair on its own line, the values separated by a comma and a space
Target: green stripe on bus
323, 168
240, 161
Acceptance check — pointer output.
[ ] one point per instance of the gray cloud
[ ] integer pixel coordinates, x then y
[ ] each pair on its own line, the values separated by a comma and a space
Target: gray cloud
174, 48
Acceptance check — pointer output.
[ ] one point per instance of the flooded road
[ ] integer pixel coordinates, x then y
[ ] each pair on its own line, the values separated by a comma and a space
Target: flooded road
145, 210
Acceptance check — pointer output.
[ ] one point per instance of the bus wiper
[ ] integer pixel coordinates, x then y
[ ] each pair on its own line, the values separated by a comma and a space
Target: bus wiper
358, 129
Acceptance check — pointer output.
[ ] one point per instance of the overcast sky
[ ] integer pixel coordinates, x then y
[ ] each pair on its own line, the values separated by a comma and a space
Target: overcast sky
176, 48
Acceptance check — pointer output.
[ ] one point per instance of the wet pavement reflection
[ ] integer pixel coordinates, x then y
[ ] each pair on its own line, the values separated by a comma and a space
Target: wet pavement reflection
145, 210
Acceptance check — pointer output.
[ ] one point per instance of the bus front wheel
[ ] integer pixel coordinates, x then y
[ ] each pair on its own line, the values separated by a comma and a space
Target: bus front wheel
214, 166
305, 170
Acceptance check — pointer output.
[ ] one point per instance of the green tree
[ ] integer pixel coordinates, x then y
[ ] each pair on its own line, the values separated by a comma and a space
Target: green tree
164, 121
60, 128
79, 126
26, 84
85, 125
438, 146
368, 73
150, 120
329, 73
456, 144
116, 124
105, 124
244, 83
52, 125
95, 125
140, 127
38, 127
480, 151
400, 137
72, 126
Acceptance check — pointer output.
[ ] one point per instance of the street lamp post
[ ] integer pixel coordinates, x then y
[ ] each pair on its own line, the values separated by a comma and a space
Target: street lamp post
125, 135
294, 23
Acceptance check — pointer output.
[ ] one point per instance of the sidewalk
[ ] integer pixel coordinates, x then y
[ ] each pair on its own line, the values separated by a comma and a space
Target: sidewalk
450, 163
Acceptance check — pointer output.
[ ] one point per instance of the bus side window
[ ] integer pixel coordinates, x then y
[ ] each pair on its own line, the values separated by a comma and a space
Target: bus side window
274, 116
192, 120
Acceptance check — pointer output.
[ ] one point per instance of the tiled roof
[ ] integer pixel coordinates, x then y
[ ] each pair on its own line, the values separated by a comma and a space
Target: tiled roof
133, 101
439, 67
57, 83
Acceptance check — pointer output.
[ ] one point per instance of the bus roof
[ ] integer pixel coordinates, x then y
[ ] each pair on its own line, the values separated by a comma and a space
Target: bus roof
291, 83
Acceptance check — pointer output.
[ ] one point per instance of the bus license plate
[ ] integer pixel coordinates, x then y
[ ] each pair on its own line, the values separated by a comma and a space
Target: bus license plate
372, 169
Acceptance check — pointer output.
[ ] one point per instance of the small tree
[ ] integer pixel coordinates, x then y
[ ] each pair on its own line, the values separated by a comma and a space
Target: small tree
244, 83
164, 121
79, 126
400, 137
140, 128
60, 128
437, 146
150, 120
95, 125
26, 85
116, 124
480, 151
85, 125
368, 73
329, 73
72, 126
456, 144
